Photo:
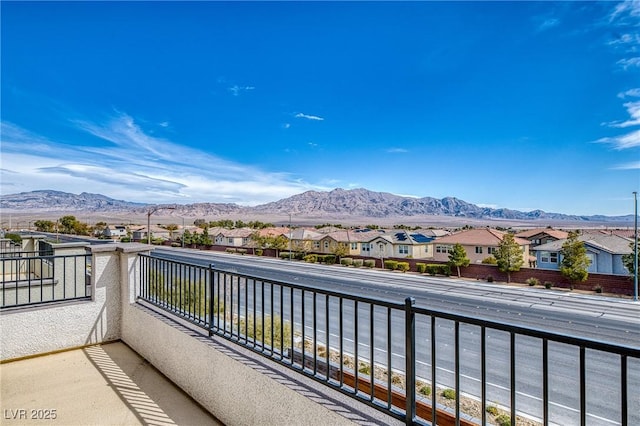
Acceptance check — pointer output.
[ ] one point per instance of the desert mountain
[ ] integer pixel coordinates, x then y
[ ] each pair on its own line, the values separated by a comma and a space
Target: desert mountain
336, 203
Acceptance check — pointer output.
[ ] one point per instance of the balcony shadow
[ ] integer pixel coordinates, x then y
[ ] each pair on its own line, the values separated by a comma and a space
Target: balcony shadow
150, 396
331, 399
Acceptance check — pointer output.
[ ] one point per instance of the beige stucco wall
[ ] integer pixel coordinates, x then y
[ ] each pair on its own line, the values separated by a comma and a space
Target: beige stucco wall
49, 328
234, 392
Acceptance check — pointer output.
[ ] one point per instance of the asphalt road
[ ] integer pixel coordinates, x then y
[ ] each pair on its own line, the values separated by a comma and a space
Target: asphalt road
592, 317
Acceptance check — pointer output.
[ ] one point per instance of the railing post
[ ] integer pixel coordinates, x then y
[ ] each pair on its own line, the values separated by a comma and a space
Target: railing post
211, 301
410, 354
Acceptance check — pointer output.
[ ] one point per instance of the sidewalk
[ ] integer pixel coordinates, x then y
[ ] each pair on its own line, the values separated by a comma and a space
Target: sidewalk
99, 385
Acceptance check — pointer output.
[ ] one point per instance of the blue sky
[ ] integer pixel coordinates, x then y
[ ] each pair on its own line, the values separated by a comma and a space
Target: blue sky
523, 105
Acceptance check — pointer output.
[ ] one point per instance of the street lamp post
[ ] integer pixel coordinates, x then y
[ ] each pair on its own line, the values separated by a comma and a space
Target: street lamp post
381, 247
635, 246
290, 236
149, 213
182, 232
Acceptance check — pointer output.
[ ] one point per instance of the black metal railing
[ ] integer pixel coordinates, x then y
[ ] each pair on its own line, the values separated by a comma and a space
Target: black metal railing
29, 278
400, 358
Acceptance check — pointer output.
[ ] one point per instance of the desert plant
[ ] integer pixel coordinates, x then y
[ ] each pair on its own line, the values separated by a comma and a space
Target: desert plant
230, 250
490, 279
548, 284
241, 251
259, 252
364, 368
369, 263
449, 394
421, 267
346, 261
357, 263
598, 289
311, 258
490, 260
390, 264
403, 266
503, 420
533, 281
425, 390
492, 409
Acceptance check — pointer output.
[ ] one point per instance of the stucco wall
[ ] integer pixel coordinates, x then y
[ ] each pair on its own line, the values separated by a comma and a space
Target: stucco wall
49, 328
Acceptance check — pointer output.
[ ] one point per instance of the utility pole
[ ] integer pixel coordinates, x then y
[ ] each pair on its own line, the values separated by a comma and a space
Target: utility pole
635, 246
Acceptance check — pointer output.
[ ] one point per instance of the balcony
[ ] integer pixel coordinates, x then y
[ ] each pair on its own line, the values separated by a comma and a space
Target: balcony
252, 351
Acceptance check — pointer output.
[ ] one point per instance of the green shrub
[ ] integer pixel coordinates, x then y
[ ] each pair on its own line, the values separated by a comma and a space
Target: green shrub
403, 266
330, 259
598, 289
438, 269
230, 250
241, 251
14, 237
172, 244
364, 368
425, 390
311, 258
346, 261
358, 263
492, 409
548, 284
286, 255
259, 252
369, 263
503, 420
490, 260
421, 267
532, 281
128, 240
390, 264
449, 394
490, 279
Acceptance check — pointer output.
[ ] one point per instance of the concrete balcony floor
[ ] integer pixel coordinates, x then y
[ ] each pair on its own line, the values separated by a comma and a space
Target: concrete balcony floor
106, 384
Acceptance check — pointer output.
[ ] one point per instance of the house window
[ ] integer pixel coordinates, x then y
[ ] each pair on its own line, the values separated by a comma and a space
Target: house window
403, 249
444, 249
316, 244
549, 257
366, 247
491, 250
478, 250
354, 246
230, 240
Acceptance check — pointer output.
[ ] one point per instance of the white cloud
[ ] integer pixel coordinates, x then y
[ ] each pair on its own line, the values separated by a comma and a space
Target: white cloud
629, 63
629, 166
164, 124
633, 108
630, 140
286, 125
312, 144
236, 90
308, 117
635, 93
129, 164
624, 11
397, 150
548, 23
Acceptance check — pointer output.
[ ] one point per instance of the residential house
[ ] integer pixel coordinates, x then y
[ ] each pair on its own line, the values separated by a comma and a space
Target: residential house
140, 233
379, 243
478, 243
540, 236
604, 252
115, 231
239, 237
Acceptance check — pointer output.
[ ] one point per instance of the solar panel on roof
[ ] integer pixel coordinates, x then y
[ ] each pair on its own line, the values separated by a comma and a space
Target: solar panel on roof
419, 238
401, 236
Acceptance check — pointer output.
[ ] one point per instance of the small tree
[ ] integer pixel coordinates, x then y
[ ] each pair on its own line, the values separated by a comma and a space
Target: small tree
509, 256
171, 228
628, 259
458, 257
44, 225
575, 263
339, 250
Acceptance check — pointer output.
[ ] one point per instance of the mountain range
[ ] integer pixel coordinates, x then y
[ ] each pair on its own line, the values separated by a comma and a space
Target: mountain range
336, 203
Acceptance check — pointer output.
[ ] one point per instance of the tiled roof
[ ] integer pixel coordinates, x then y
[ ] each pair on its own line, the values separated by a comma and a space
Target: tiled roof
556, 233
478, 237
